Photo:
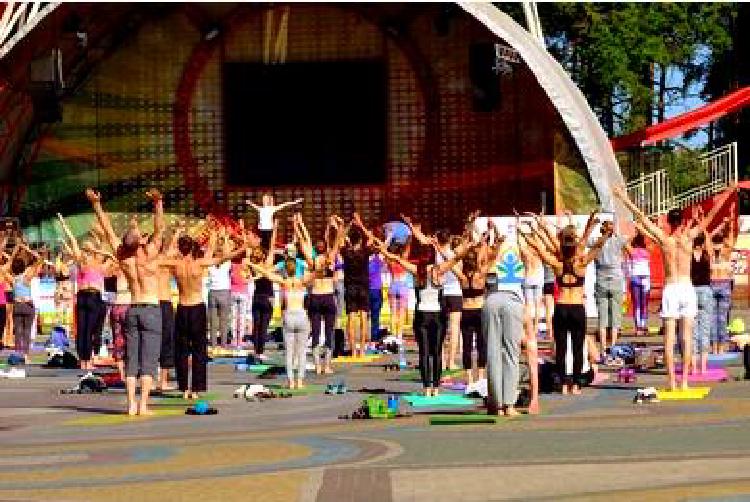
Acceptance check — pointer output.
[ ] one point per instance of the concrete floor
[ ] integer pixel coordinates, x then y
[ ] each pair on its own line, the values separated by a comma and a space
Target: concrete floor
597, 446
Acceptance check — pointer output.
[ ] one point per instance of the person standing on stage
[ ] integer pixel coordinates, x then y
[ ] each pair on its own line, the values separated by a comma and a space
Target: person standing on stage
266, 212
452, 299
678, 298
357, 284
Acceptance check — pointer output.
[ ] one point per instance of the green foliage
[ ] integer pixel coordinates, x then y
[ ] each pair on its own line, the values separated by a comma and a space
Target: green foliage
684, 170
614, 50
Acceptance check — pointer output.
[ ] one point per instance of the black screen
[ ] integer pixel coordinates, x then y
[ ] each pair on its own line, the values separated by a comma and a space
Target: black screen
305, 123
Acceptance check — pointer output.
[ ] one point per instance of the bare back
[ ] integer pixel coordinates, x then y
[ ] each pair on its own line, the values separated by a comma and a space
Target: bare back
189, 274
142, 274
676, 254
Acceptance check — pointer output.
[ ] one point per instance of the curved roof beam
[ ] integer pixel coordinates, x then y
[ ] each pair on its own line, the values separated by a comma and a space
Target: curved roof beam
570, 103
18, 19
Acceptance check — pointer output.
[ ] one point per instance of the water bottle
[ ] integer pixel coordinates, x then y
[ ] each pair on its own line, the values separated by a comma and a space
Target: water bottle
401, 357
393, 403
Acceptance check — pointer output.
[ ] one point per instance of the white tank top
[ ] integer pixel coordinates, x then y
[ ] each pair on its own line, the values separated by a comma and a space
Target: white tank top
429, 298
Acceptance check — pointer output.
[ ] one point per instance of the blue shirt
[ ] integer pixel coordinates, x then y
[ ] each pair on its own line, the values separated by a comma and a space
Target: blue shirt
299, 271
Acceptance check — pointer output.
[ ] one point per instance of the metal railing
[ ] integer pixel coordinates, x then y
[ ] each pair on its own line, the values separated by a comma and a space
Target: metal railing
652, 192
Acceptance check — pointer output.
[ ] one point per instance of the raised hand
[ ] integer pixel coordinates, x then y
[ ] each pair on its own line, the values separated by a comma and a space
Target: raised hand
92, 195
154, 194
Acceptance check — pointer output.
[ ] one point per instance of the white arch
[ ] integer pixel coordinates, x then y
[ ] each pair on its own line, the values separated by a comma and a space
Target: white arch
570, 103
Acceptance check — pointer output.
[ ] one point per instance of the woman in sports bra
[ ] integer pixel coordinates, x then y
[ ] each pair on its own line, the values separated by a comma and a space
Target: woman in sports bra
569, 264
472, 278
90, 308
296, 324
322, 300
24, 271
428, 326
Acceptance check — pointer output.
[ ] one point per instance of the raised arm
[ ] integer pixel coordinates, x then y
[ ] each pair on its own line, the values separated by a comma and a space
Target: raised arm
595, 249
590, 224
102, 217
416, 230
458, 255
269, 256
291, 203
547, 257
303, 238
269, 273
70, 240
159, 224
653, 229
409, 266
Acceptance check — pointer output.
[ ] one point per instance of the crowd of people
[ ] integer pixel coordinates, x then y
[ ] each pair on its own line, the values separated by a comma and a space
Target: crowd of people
227, 280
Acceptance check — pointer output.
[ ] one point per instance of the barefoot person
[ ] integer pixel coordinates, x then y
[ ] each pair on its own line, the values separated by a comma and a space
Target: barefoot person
296, 323
189, 271
678, 298
138, 256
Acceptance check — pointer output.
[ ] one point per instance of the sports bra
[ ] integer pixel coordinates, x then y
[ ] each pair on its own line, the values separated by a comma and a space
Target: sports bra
569, 271
472, 292
89, 277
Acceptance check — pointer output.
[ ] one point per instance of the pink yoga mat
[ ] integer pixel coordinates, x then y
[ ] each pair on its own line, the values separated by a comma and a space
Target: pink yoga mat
711, 375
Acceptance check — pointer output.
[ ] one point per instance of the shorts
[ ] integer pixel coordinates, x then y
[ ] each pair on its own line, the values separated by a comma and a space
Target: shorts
678, 301
609, 304
356, 298
453, 303
548, 289
532, 294
398, 295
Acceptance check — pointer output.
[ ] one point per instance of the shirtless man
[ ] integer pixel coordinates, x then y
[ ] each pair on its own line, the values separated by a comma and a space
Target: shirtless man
167, 355
190, 318
138, 257
678, 298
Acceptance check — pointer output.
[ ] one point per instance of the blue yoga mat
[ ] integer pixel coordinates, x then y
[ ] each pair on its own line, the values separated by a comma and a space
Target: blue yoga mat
441, 401
228, 360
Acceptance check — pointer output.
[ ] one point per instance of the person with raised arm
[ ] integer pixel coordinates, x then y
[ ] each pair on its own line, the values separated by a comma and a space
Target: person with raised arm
263, 295
24, 270
322, 298
569, 318
428, 324
189, 270
90, 308
266, 212
679, 303
296, 323
722, 279
356, 256
138, 257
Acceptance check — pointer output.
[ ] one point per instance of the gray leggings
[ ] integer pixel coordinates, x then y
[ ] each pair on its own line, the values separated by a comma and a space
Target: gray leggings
502, 324
296, 331
23, 322
219, 315
143, 340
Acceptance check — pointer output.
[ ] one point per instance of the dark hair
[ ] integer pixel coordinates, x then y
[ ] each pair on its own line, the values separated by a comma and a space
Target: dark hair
470, 262
290, 266
425, 257
197, 251
674, 217
699, 240
443, 236
18, 266
396, 248
718, 239
355, 236
185, 244
129, 245
639, 241
568, 242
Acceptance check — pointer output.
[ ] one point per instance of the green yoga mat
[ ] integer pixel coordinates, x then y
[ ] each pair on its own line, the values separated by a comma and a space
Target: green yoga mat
441, 401
174, 399
462, 419
258, 368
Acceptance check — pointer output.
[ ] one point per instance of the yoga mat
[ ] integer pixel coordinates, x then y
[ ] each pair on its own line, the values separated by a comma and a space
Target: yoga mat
227, 360
459, 386
175, 399
229, 352
462, 419
309, 389
711, 375
442, 400
350, 359
692, 393
119, 419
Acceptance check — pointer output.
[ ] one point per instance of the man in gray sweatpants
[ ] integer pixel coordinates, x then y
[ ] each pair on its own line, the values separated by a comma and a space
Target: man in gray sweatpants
502, 324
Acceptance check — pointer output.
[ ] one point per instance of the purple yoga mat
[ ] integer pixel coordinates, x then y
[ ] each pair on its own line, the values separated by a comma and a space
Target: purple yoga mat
711, 375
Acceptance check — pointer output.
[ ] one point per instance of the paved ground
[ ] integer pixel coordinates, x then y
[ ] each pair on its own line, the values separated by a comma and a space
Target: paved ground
595, 447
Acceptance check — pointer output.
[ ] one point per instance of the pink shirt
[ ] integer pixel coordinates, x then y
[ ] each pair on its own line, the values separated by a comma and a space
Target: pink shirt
2, 293
238, 278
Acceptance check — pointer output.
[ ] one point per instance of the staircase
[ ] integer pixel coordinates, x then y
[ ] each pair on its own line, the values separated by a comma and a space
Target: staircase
652, 192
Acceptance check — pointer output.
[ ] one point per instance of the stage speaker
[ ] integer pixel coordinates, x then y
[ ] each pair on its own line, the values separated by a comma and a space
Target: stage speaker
485, 82
46, 85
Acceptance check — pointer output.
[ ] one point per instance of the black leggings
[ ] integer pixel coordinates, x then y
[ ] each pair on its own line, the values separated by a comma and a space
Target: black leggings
23, 321
471, 326
90, 313
322, 307
3, 319
569, 319
262, 311
190, 340
428, 328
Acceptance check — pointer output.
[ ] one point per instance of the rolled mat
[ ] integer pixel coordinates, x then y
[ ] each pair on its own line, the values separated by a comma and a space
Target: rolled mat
368, 358
462, 419
441, 401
